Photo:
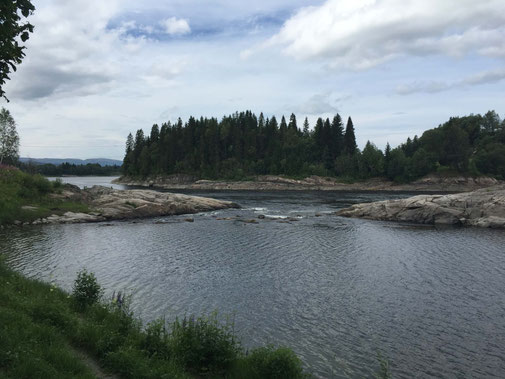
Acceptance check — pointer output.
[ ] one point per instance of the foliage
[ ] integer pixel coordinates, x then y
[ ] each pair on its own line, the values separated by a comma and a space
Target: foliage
202, 344
38, 321
239, 146
9, 139
91, 169
243, 145
86, 290
12, 28
271, 363
19, 190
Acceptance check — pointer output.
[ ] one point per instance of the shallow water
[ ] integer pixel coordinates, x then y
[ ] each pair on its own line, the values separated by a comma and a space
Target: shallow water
335, 290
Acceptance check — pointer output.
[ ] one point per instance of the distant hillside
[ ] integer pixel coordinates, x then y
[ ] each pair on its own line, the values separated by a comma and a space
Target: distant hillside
58, 161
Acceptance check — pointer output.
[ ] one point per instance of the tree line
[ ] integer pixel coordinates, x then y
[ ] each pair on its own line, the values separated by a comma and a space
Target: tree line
243, 144
89, 169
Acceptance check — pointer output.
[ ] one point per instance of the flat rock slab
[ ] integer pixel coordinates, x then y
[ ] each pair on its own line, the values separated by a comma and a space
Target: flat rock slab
483, 208
111, 204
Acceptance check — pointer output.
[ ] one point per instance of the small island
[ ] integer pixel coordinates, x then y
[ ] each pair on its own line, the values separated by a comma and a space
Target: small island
483, 208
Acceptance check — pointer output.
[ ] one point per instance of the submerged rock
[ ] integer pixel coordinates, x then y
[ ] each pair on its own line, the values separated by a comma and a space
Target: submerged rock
483, 208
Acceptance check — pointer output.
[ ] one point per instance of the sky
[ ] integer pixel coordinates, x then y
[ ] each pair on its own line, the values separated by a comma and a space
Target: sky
97, 70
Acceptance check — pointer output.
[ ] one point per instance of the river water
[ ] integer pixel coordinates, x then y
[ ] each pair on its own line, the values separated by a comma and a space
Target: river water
337, 291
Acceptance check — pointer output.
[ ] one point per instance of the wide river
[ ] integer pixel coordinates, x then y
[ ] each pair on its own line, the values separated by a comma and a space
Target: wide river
336, 290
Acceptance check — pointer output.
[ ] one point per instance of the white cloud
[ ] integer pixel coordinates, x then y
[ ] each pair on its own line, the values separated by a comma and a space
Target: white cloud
360, 34
176, 26
485, 77
322, 103
70, 51
96, 70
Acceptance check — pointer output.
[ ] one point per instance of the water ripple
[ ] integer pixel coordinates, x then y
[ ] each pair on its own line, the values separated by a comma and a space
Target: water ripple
336, 290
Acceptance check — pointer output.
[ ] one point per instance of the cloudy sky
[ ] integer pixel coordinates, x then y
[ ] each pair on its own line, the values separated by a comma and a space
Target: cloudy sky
96, 70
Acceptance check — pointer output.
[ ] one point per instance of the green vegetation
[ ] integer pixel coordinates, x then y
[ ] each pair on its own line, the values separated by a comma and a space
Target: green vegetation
89, 169
12, 31
25, 197
86, 290
242, 145
39, 323
9, 139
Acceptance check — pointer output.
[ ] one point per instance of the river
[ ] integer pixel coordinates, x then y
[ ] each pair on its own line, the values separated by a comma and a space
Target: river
337, 291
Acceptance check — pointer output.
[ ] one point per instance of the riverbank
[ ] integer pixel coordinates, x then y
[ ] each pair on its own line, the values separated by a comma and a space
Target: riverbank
25, 198
482, 208
427, 184
107, 204
47, 332
32, 199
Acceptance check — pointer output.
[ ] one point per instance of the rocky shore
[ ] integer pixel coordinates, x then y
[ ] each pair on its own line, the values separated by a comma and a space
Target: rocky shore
107, 204
312, 183
483, 208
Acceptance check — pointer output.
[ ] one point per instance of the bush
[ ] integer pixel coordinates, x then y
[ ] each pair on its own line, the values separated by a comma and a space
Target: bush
271, 363
203, 345
57, 184
86, 290
156, 339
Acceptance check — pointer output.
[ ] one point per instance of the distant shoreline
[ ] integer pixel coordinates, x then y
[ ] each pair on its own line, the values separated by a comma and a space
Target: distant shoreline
428, 184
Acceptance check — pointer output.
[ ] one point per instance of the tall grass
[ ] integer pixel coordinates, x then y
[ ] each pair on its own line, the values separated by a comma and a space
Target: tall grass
38, 322
18, 189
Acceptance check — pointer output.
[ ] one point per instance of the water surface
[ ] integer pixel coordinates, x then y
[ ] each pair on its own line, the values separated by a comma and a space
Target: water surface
336, 290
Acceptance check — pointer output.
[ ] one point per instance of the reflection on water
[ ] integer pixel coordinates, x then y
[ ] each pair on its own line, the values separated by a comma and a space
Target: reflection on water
336, 290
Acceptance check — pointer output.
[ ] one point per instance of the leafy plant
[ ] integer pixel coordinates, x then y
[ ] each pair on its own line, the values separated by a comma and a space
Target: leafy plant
270, 363
86, 290
202, 344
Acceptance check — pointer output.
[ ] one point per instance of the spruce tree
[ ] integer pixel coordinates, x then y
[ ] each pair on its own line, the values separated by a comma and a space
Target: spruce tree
292, 122
155, 133
306, 126
337, 136
350, 146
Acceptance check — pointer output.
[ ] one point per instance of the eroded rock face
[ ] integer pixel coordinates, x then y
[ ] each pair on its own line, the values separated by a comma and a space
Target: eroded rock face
484, 208
110, 204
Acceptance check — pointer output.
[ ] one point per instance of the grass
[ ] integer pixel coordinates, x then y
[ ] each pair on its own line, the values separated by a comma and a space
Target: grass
25, 197
39, 323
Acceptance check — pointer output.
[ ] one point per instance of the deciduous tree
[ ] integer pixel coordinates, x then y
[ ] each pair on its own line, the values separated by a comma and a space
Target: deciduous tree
13, 29
9, 139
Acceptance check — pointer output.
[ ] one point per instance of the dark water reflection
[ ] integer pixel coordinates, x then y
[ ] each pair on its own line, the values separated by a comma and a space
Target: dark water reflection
336, 290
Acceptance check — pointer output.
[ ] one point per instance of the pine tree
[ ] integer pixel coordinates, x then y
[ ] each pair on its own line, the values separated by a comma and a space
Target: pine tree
129, 143
337, 136
350, 146
155, 133
283, 127
306, 126
292, 122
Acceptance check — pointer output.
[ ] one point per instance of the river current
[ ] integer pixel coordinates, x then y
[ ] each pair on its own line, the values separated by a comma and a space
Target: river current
338, 291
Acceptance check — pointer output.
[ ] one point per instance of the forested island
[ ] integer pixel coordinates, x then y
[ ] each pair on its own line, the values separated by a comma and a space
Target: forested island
242, 145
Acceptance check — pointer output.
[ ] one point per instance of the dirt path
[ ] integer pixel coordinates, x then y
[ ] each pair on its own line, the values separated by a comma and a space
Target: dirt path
91, 363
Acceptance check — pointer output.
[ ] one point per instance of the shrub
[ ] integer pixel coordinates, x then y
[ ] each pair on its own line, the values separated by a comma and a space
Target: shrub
57, 184
86, 290
271, 363
156, 340
203, 344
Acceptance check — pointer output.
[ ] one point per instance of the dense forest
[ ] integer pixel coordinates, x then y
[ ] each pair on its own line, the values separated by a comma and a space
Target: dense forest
48, 169
243, 144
